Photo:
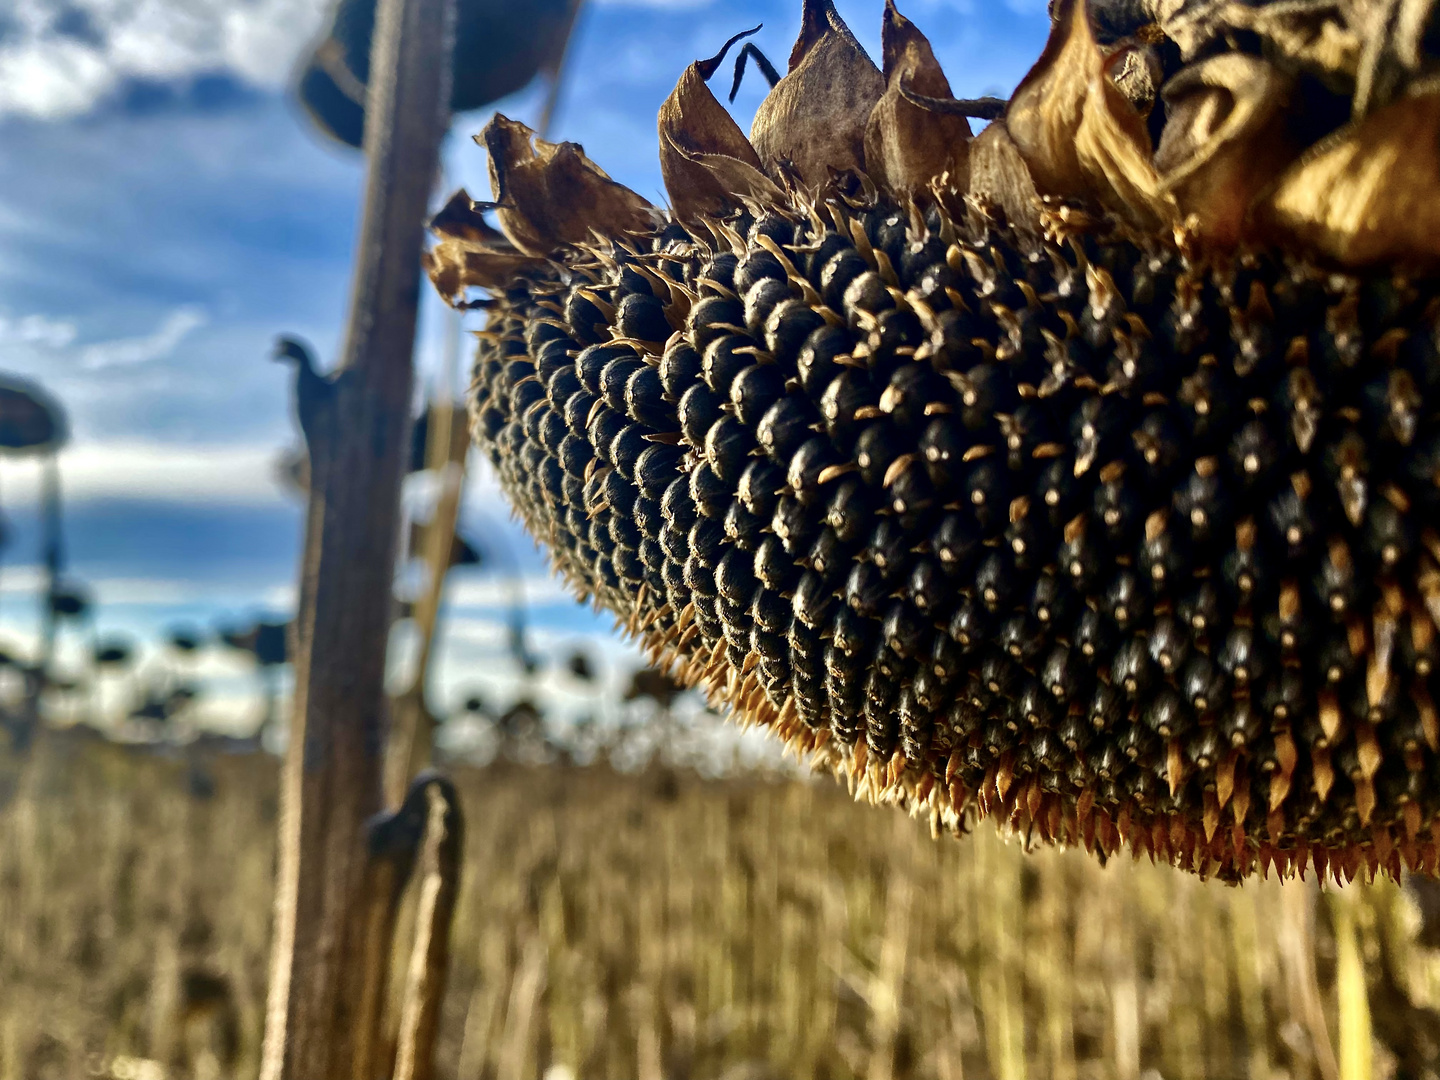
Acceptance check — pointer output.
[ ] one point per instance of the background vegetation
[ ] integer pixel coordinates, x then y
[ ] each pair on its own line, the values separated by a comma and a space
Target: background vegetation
656, 924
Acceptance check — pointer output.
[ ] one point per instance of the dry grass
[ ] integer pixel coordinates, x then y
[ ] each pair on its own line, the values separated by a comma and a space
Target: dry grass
660, 926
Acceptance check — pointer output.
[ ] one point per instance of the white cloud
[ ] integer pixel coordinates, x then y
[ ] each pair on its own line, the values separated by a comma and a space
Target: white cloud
215, 474
127, 352
62, 56
37, 330
166, 472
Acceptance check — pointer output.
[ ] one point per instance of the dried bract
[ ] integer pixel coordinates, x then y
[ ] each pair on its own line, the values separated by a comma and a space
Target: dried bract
706, 160
1137, 72
911, 138
1000, 178
470, 252
814, 120
1225, 141
1367, 195
550, 194
1078, 133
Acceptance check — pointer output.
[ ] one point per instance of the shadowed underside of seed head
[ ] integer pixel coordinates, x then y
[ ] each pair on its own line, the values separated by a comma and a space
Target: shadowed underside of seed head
1081, 473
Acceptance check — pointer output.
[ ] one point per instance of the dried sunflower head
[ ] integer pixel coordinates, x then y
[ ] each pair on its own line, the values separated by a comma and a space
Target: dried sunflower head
1079, 472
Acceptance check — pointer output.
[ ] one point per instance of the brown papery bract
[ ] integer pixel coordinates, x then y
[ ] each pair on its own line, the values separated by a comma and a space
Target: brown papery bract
1079, 134
910, 140
1000, 179
707, 162
550, 194
1366, 196
1225, 141
814, 119
470, 252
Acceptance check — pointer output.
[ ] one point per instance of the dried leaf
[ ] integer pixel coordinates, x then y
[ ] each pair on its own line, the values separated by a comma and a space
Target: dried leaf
1322, 37
1226, 139
1078, 133
999, 178
454, 266
550, 194
1192, 24
1370, 193
705, 158
911, 139
459, 219
471, 253
814, 119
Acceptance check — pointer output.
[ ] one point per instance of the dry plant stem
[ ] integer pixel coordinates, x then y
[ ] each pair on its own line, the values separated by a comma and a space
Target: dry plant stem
413, 727
357, 426
385, 879
439, 885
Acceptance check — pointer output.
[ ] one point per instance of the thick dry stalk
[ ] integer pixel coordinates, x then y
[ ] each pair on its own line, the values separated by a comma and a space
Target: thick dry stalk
356, 425
413, 725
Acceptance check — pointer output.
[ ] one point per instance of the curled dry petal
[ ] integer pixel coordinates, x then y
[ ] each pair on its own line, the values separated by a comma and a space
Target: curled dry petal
550, 194
1370, 193
814, 119
470, 253
1078, 133
705, 158
909, 140
1000, 179
1225, 141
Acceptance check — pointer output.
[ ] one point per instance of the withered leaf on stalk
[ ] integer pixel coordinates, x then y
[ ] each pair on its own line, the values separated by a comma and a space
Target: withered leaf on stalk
910, 139
1226, 139
999, 178
550, 194
814, 119
470, 253
705, 159
1370, 193
1078, 133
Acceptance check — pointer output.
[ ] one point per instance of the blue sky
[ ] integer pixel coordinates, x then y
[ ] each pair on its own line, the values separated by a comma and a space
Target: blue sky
165, 212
